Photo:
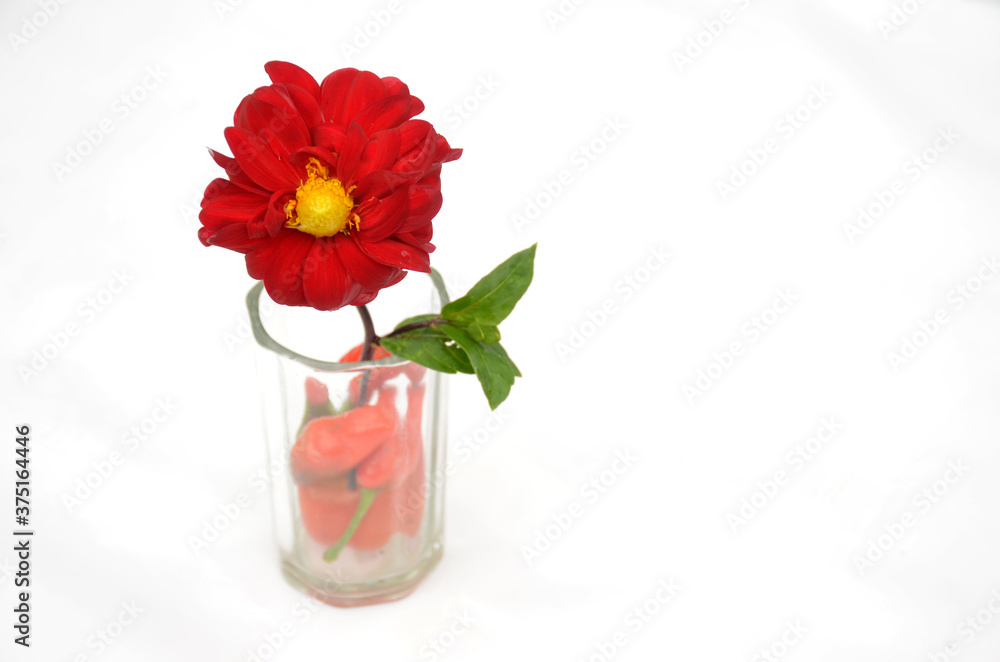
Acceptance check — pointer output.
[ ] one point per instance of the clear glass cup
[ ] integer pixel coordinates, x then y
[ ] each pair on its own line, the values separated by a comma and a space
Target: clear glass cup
352, 447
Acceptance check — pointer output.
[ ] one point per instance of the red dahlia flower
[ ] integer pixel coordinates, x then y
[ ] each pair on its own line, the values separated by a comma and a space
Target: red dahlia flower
332, 189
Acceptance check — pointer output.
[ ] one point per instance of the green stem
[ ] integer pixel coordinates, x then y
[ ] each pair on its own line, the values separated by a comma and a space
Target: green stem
367, 496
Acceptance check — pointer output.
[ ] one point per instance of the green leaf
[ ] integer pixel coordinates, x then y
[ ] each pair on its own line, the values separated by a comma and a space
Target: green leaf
490, 300
431, 348
495, 370
485, 334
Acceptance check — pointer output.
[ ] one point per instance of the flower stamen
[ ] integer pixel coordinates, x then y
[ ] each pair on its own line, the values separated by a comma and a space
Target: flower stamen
321, 206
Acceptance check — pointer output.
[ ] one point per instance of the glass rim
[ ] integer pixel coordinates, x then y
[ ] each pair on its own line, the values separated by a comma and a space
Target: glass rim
265, 340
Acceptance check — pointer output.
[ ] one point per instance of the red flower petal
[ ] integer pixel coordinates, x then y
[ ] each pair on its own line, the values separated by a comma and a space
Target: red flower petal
233, 236
380, 153
277, 96
366, 298
276, 216
226, 203
412, 135
350, 156
326, 283
259, 162
282, 129
279, 263
364, 89
332, 92
306, 104
380, 184
431, 178
371, 275
420, 159
420, 235
444, 152
383, 216
394, 86
329, 136
395, 280
256, 227
419, 239
424, 204
292, 74
388, 113
397, 254
235, 172
325, 157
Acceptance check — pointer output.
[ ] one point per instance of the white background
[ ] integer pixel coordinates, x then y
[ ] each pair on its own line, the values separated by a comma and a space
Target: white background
172, 334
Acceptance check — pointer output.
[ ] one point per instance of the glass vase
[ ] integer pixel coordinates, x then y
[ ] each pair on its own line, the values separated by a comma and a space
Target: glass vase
355, 448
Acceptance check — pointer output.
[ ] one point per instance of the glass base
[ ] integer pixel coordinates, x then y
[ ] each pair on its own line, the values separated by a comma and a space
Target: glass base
361, 594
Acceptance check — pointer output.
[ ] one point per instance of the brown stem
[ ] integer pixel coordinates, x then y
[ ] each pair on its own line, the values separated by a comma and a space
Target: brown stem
367, 350
410, 327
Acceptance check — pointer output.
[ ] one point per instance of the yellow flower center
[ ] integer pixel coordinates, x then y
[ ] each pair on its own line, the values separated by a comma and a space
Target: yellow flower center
321, 206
